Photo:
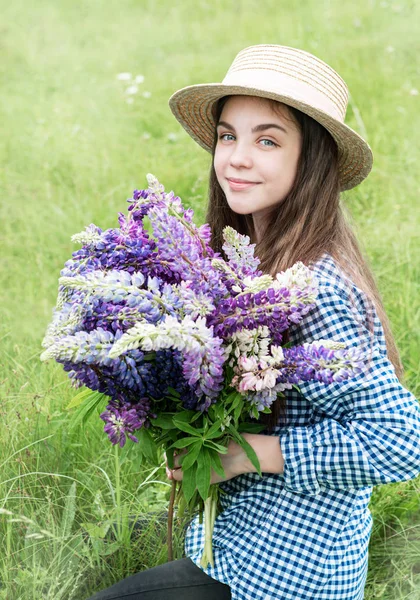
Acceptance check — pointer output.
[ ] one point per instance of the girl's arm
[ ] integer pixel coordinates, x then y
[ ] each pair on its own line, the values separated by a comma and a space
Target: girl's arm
369, 428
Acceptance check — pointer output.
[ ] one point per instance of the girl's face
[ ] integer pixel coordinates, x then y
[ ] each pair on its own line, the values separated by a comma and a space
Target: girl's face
248, 150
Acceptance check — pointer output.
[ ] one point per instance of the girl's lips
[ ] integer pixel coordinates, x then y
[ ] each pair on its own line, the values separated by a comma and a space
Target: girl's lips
240, 186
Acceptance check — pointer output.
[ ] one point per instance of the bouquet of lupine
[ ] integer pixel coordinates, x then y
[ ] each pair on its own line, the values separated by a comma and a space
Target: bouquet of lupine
181, 345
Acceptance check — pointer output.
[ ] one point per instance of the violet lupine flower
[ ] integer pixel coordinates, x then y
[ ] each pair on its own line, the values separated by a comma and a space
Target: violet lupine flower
275, 308
316, 361
202, 352
265, 398
205, 368
121, 422
184, 255
240, 253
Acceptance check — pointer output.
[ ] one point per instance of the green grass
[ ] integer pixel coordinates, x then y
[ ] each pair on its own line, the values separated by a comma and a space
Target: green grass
71, 151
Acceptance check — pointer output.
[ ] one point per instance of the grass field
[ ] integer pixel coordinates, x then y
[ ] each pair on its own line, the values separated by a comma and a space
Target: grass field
73, 146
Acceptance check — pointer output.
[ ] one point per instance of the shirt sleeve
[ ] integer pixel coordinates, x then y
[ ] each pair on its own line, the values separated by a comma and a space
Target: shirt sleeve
370, 430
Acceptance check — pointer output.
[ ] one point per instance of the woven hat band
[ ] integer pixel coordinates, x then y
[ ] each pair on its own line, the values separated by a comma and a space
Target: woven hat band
286, 85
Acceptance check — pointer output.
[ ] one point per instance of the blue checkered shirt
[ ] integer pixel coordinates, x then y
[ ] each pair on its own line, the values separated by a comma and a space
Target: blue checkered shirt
304, 534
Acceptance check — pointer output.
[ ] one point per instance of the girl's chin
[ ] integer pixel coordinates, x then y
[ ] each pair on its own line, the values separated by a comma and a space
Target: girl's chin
240, 210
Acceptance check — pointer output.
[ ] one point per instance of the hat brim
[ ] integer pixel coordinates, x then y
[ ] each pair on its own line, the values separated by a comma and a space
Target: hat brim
192, 107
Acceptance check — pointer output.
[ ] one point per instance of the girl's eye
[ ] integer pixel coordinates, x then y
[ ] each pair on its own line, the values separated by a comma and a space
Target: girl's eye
223, 135
271, 142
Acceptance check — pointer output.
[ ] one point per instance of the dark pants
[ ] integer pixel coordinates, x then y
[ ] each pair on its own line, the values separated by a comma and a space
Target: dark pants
176, 580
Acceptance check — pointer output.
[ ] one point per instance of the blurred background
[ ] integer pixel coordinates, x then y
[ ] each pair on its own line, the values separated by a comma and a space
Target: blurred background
84, 117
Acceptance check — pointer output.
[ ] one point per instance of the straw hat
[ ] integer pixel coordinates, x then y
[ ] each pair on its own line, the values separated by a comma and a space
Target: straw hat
292, 76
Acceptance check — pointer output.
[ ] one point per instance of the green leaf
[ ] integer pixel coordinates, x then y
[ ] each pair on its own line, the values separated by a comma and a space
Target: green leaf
216, 464
197, 415
237, 412
170, 457
188, 428
189, 459
214, 431
232, 397
253, 411
251, 427
203, 473
189, 483
96, 531
79, 398
174, 392
215, 446
250, 452
164, 421
185, 416
237, 401
86, 408
184, 442
147, 444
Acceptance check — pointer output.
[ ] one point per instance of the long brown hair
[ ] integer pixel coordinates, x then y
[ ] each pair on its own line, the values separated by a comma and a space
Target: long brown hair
311, 221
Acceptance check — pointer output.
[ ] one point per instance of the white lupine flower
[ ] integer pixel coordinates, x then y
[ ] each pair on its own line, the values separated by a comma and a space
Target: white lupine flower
187, 334
277, 354
256, 284
332, 344
89, 236
153, 184
247, 363
298, 275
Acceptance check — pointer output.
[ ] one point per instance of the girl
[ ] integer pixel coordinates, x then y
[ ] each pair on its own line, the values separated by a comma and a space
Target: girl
281, 154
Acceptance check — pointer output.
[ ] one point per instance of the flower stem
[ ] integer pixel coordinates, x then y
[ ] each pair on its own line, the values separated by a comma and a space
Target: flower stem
170, 521
210, 508
118, 491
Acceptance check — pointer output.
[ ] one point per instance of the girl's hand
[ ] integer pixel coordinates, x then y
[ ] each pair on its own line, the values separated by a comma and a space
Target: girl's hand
234, 463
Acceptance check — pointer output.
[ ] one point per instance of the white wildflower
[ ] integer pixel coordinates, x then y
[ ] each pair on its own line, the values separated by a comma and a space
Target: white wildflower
146, 94
139, 78
132, 89
124, 76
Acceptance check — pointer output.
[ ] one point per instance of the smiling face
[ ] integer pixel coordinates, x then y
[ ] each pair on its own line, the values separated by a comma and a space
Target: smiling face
248, 150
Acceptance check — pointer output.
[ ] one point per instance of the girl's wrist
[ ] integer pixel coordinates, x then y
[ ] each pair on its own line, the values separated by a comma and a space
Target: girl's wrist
267, 448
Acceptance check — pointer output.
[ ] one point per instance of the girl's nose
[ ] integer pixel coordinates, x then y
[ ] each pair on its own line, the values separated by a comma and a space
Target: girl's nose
240, 156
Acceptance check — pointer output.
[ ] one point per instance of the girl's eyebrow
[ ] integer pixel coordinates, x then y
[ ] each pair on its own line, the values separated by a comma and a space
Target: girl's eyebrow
261, 127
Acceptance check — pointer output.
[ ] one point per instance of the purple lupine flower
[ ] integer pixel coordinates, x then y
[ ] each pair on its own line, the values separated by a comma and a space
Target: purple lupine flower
316, 361
120, 423
240, 253
276, 308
